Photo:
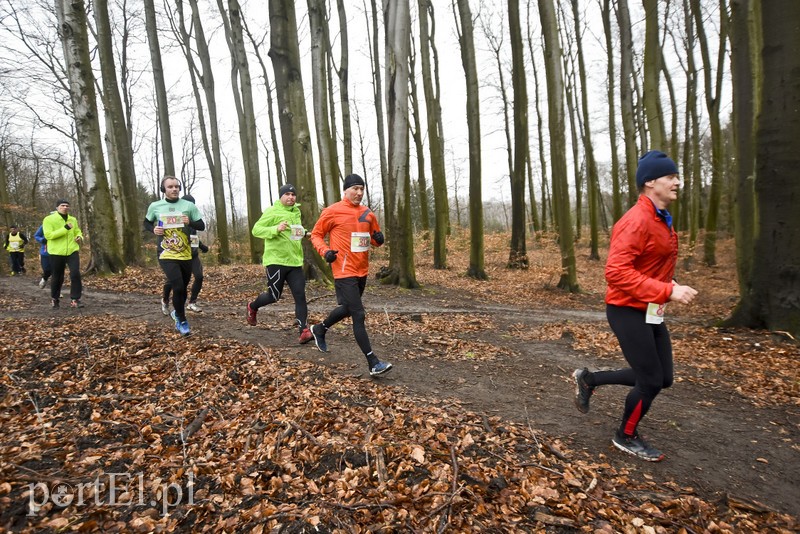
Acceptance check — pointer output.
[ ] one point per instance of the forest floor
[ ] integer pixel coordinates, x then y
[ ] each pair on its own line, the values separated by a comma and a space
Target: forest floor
474, 430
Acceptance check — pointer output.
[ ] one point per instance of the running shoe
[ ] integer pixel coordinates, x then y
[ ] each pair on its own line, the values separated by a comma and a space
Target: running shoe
638, 447
54, 303
318, 331
174, 317
192, 306
380, 368
306, 336
42, 283
164, 307
183, 328
76, 303
251, 315
583, 391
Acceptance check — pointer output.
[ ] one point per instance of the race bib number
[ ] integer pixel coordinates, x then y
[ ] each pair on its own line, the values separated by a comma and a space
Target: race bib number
298, 232
655, 313
194, 240
171, 220
359, 241
14, 245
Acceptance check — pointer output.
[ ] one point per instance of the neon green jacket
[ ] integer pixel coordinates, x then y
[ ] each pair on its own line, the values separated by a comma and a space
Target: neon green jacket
60, 241
279, 248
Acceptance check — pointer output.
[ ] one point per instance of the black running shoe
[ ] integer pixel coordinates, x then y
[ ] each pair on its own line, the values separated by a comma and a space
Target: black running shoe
583, 391
638, 447
318, 331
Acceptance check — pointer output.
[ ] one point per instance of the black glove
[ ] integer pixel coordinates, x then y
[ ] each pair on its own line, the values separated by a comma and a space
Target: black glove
378, 237
330, 256
203, 247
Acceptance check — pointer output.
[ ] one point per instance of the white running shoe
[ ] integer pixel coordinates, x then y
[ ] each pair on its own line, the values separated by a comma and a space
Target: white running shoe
192, 306
164, 307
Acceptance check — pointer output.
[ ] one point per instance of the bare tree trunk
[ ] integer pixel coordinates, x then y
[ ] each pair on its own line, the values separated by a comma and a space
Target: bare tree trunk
416, 132
746, 41
162, 106
377, 90
344, 89
558, 149
211, 146
713, 104
626, 98
285, 54
319, 82
652, 69
397, 22
466, 41
591, 165
276, 151
539, 132
616, 193
73, 31
245, 111
120, 154
518, 255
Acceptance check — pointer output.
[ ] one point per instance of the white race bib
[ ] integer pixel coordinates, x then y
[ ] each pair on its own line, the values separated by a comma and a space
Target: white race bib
171, 220
298, 232
655, 313
14, 245
359, 241
194, 239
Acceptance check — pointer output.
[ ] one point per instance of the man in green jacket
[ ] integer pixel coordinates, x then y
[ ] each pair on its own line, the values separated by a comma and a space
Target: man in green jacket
282, 231
64, 239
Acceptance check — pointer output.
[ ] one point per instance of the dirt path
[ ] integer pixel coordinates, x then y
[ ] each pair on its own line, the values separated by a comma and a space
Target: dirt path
716, 442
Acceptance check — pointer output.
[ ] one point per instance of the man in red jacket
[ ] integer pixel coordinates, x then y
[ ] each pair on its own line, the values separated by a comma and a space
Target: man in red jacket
639, 272
352, 229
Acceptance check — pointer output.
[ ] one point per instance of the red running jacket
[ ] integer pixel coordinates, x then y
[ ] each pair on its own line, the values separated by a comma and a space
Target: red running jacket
641, 258
340, 220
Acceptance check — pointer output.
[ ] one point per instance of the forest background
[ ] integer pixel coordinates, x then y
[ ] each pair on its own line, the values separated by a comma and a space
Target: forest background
100, 100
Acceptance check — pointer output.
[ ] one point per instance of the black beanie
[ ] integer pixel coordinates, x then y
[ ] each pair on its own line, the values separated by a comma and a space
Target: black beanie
351, 180
654, 165
61, 201
286, 188
188, 197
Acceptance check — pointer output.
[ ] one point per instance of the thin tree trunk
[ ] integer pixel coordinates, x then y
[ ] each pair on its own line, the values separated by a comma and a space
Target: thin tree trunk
652, 69
344, 89
378, 96
466, 41
626, 98
162, 107
416, 132
616, 193
518, 255
397, 22
73, 30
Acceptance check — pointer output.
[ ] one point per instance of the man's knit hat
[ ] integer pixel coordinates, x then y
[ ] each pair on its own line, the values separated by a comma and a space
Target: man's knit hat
351, 180
61, 201
654, 165
286, 188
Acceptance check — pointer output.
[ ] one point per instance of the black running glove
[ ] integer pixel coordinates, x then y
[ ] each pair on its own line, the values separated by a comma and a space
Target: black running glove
378, 237
330, 256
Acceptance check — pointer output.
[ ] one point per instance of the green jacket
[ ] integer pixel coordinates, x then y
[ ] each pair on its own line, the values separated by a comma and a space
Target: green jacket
60, 241
279, 248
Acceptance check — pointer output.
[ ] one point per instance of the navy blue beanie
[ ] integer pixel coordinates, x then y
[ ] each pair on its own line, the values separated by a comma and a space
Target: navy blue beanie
654, 165
351, 180
286, 188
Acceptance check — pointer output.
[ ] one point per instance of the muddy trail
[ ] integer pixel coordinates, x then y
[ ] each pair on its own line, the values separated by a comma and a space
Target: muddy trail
717, 442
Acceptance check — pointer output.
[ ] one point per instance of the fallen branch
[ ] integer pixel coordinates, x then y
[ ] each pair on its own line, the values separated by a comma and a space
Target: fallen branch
305, 432
195, 425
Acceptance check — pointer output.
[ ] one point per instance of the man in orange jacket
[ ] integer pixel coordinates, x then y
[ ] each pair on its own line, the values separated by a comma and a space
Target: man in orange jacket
640, 273
352, 229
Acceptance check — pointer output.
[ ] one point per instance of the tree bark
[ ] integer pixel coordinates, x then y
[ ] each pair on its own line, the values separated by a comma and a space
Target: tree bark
285, 54
558, 149
518, 255
626, 98
398, 26
162, 107
73, 30
652, 68
466, 41
344, 89
416, 132
616, 192
433, 107
773, 301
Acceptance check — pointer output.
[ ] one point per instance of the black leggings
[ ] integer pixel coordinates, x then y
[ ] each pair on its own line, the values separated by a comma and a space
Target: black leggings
178, 273
277, 275
59, 263
348, 296
648, 351
197, 281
